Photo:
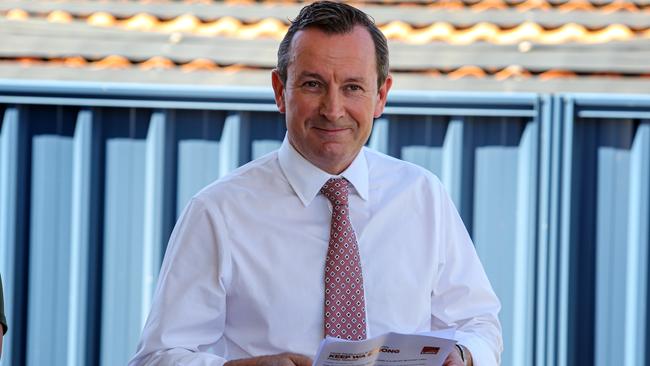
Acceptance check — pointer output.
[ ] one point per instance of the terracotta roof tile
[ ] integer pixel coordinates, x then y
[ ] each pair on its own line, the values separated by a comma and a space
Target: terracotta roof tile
157, 62
226, 26
200, 64
101, 19
485, 32
185, 23
26, 61
268, 27
59, 16
448, 4
482, 5
512, 71
613, 32
557, 74
141, 22
570, 32
115, 63
434, 32
619, 5
525, 36
610, 75
490, 5
532, 5
475, 6
524, 31
112, 62
467, 71
234, 68
17, 14
574, 5
395, 30
433, 73
75, 61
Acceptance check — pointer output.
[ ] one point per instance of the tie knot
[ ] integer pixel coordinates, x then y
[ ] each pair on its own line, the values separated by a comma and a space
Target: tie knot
336, 190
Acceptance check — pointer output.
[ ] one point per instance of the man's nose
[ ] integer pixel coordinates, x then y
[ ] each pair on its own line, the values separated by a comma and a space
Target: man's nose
331, 106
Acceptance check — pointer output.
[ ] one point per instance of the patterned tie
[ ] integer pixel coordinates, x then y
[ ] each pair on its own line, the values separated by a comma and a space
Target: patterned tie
345, 306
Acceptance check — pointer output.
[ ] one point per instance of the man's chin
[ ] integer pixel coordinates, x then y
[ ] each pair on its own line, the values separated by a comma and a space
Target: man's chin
335, 159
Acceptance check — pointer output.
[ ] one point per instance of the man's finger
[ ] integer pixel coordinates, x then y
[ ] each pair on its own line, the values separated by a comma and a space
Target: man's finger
300, 360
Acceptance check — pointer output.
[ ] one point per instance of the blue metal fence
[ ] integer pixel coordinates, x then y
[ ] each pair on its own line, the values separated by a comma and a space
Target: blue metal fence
602, 229
555, 191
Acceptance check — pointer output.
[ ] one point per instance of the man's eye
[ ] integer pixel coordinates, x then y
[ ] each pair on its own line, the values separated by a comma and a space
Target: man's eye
354, 87
311, 84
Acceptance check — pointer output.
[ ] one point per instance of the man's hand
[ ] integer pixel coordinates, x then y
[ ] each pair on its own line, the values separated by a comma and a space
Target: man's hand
454, 358
282, 359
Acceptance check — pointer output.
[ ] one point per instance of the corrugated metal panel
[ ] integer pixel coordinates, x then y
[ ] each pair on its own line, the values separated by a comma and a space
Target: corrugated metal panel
14, 228
603, 230
485, 149
93, 177
49, 232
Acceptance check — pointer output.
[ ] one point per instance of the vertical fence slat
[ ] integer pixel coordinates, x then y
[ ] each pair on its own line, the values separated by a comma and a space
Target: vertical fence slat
266, 131
80, 237
13, 253
525, 245
541, 307
49, 249
501, 153
198, 139
419, 140
554, 204
604, 230
123, 237
379, 136
229, 148
613, 165
636, 283
154, 207
564, 245
452, 158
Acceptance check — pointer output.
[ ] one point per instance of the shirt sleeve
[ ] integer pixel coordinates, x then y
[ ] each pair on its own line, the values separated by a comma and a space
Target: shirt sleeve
188, 311
462, 296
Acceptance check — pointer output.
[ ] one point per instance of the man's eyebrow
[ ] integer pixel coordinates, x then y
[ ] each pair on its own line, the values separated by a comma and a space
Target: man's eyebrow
358, 79
314, 75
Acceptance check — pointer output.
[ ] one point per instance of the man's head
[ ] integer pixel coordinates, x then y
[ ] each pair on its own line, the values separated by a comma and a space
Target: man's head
328, 85
334, 18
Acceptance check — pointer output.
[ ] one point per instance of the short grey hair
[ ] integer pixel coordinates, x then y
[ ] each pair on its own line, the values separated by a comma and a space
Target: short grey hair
334, 18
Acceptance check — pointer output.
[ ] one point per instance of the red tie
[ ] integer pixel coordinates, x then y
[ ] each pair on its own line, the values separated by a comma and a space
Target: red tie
345, 306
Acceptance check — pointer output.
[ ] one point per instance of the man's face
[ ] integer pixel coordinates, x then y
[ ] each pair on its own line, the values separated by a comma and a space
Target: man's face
331, 95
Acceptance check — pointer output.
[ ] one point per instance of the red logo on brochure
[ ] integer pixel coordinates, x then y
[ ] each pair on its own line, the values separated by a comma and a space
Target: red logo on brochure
430, 350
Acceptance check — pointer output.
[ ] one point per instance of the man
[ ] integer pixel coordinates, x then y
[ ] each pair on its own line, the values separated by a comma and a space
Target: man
323, 237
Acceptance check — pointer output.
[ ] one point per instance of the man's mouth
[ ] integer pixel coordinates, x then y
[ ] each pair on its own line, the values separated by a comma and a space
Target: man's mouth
332, 130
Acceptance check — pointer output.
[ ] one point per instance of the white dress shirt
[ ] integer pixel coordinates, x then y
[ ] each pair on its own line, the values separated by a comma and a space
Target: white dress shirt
243, 271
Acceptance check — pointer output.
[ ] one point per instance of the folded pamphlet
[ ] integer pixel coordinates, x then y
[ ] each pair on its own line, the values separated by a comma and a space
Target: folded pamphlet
390, 349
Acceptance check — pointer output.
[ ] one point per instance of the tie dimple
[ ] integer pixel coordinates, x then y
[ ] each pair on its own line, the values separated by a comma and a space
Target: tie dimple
345, 308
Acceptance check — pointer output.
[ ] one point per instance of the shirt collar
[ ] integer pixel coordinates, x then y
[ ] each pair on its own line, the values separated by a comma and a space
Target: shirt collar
306, 179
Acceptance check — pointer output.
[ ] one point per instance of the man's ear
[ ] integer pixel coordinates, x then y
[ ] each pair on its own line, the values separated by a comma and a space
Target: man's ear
383, 94
278, 90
